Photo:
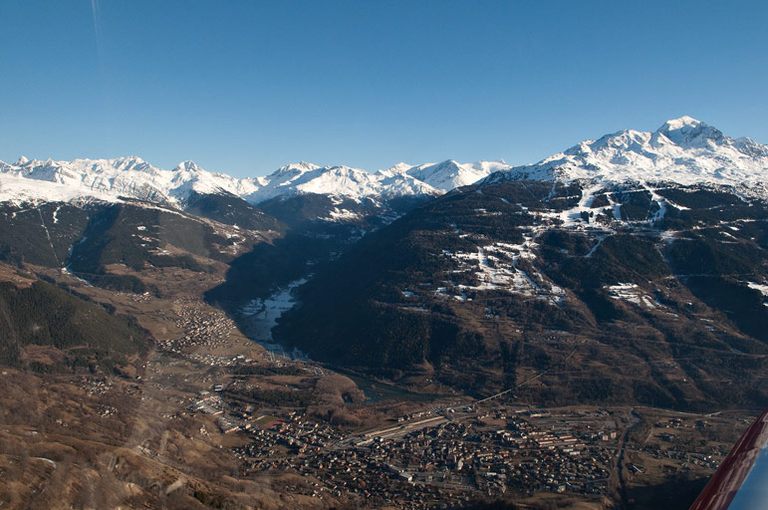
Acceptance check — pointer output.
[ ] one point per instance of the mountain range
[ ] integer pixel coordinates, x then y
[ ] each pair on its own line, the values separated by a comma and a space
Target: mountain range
683, 150
640, 257
132, 177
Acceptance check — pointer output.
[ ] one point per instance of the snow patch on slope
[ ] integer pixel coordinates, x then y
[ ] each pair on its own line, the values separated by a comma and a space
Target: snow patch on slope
496, 267
763, 289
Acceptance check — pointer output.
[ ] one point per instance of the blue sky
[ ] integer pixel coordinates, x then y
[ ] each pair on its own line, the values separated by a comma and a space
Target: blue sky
246, 86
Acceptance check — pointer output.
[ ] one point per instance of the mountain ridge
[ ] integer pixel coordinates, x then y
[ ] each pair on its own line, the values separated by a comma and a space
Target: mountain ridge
682, 150
133, 177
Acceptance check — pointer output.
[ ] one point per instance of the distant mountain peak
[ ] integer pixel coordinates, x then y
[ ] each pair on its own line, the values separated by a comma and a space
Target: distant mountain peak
399, 167
679, 123
300, 166
450, 174
189, 166
686, 130
683, 150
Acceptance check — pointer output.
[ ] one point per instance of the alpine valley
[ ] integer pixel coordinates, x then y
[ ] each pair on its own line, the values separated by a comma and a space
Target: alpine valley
194, 340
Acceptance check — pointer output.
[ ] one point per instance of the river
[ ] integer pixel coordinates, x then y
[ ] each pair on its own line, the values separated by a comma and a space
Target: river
261, 315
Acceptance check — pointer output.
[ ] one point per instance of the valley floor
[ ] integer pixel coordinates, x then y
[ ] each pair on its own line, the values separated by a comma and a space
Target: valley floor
211, 420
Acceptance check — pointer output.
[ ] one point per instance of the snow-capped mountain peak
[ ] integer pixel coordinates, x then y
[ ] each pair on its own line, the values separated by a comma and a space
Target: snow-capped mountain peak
299, 168
683, 150
450, 174
397, 168
187, 166
686, 121
687, 131
298, 178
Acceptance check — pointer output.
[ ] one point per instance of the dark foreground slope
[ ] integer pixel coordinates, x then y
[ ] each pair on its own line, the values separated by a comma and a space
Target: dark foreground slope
587, 293
45, 328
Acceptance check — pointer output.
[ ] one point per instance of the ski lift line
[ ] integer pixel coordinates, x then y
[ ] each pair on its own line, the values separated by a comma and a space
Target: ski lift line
48, 236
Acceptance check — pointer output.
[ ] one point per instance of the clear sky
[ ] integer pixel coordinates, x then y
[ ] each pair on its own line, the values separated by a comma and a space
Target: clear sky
244, 86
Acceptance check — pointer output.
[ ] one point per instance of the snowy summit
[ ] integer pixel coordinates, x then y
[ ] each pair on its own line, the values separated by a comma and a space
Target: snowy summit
683, 150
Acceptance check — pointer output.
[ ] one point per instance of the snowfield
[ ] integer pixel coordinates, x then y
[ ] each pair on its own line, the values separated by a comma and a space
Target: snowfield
495, 267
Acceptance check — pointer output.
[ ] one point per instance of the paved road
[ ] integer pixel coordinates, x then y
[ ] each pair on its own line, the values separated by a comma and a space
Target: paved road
620, 484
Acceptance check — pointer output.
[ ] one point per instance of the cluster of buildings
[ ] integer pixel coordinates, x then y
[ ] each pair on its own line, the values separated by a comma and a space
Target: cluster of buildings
208, 403
294, 435
474, 455
451, 461
201, 327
